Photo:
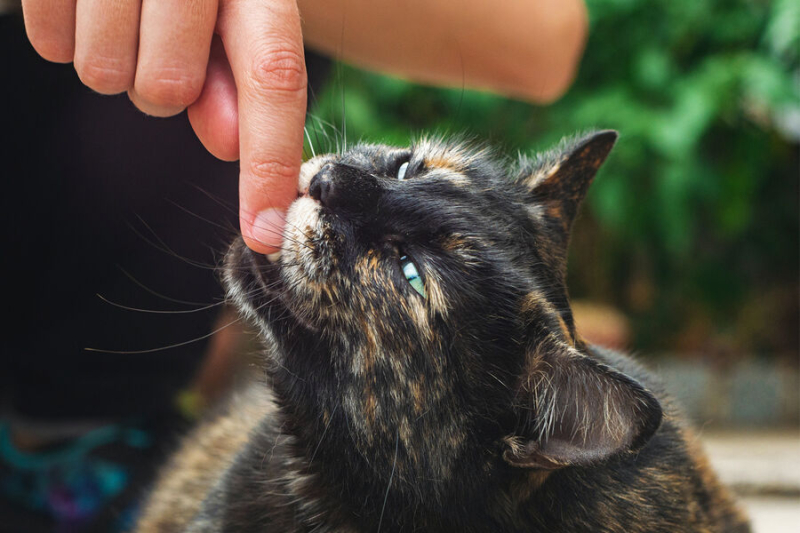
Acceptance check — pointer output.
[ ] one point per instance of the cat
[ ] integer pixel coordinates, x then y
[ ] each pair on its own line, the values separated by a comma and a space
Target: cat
423, 369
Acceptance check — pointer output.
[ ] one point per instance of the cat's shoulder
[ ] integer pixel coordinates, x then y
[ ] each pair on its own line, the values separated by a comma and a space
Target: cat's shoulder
205, 456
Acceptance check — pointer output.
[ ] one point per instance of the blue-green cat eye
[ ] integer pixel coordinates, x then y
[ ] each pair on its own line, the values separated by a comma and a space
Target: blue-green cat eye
412, 275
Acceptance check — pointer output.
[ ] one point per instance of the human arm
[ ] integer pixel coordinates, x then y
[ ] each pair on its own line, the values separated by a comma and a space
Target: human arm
523, 49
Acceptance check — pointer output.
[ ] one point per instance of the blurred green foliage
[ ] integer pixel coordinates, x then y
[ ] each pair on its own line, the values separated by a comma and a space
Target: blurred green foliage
692, 226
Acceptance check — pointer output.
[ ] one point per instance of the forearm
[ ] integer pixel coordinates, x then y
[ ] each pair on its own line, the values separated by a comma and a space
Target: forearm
528, 49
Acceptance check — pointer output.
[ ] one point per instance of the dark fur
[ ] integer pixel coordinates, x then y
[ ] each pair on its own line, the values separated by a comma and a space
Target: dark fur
477, 408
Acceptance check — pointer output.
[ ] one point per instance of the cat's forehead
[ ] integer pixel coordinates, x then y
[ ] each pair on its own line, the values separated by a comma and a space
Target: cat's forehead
456, 155
372, 156
428, 152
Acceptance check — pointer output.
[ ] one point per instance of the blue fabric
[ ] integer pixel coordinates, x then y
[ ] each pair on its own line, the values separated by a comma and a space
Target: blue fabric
69, 484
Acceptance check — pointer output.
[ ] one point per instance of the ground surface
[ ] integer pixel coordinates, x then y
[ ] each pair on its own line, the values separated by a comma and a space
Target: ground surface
764, 468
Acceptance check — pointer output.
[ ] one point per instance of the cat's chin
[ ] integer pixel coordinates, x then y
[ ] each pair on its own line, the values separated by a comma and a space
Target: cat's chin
253, 284
249, 276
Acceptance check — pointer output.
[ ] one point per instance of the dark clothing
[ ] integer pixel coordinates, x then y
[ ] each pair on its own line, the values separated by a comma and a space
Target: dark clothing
101, 200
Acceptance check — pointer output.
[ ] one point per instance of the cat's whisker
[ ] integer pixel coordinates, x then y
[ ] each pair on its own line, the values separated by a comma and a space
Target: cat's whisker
322, 437
163, 247
322, 127
227, 229
167, 347
391, 477
500, 381
273, 225
157, 294
310, 144
285, 237
161, 312
222, 203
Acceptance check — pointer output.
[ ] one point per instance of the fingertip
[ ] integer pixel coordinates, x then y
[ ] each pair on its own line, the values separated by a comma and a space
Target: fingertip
264, 232
263, 203
219, 136
150, 108
215, 115
259, 247
51, 29
54, 51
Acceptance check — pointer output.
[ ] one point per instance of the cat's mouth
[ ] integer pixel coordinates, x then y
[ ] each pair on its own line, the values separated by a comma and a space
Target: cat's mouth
249, 277
287, 282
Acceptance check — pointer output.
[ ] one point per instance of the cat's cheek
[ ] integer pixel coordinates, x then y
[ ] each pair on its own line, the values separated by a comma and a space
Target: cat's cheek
308, 263
306, 243
303, 213
303, 226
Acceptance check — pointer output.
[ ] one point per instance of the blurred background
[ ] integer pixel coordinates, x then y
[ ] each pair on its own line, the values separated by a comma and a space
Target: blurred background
687, 250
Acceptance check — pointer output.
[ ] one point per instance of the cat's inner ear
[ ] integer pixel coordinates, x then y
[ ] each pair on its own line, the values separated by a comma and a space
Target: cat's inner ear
558, 180
577, 411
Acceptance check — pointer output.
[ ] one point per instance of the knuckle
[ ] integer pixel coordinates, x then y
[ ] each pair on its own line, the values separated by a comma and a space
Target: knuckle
280, 70
104, 75
169, 88
271, 171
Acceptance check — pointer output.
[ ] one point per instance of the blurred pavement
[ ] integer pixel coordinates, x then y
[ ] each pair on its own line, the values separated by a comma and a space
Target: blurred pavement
763, 468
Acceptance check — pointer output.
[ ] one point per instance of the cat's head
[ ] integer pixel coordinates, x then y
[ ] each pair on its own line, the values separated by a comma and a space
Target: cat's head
417, 319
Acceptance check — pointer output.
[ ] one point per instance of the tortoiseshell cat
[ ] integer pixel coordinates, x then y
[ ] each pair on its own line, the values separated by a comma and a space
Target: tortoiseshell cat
424, 369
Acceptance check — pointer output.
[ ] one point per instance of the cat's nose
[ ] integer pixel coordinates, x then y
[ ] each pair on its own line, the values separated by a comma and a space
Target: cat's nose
345, 187
322, 187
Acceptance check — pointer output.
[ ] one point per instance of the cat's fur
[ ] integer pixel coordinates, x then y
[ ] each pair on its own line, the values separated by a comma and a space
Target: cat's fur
473, 407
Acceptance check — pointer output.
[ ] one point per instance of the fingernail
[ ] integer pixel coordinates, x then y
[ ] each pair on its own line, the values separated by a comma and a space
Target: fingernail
267, 228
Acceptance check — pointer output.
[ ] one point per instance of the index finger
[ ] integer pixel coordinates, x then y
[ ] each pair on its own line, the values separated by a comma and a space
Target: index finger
264, 43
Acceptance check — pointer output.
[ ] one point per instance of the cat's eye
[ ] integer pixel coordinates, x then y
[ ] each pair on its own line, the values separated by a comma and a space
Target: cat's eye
412, 275
401, 172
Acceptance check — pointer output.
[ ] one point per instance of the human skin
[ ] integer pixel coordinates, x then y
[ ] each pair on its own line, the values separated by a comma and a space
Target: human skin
237, 65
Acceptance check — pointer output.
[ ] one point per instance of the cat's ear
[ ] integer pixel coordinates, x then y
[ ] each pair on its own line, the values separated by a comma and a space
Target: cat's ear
558, 180
578, 411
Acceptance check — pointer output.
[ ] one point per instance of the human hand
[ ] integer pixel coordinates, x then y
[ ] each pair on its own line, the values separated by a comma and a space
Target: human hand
245, 92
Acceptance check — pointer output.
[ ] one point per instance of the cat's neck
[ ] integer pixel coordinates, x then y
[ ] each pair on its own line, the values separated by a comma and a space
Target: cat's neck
333, 493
